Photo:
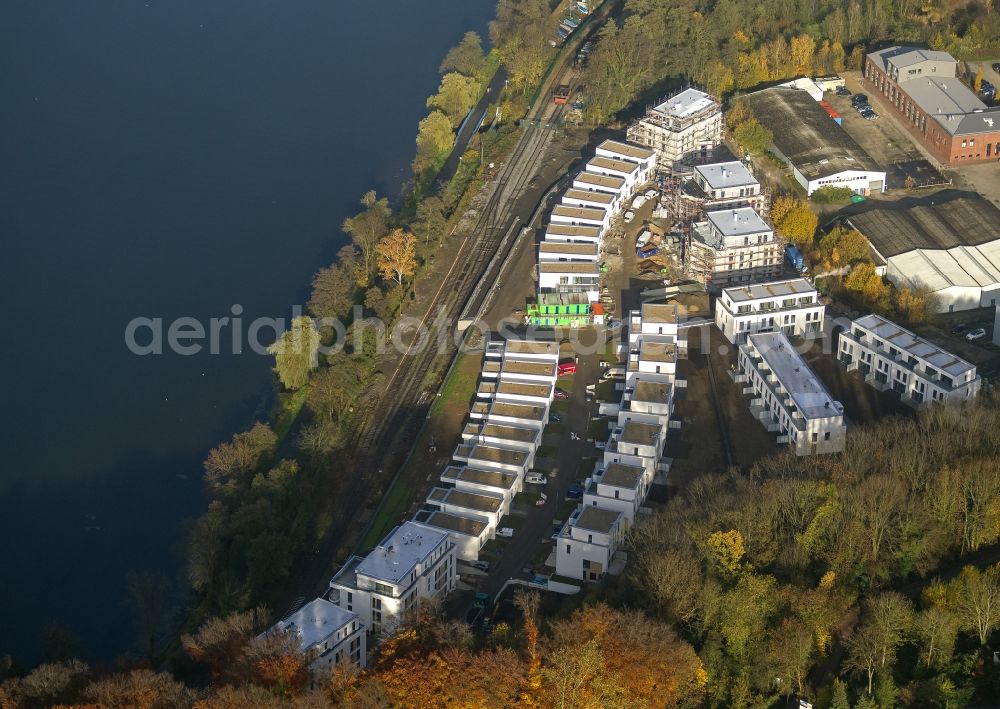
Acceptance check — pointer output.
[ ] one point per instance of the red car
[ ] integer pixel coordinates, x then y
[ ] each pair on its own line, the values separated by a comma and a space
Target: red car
566, 368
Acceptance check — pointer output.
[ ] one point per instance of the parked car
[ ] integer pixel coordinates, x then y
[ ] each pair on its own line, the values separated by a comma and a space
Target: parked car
575, 492
553, 416
869, 115
481, 565
536, 479
651, 194
628, 217
566, 368
996, 67
843, 91
976, 334
560, 394
600, 445
859, 99
959, 329
507, 532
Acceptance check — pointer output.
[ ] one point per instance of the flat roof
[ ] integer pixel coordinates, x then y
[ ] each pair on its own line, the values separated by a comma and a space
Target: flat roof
479, 476
659, 313
622, 475
315, 622
401, 551
654, 392
472, 500
651, 351
774, 289
594, 178
508, 432
456, 523
900, 56
583, 248
915, 345
638, 433
807, 391
523, 411
629, 150
597, 519
538, 389
533, 366
562, 298
723, 175
491, 453
685, 104
592, 213
540, 347
588, 267
741, 221
584, 195
942, 224
604, 163
806, 135
583, 230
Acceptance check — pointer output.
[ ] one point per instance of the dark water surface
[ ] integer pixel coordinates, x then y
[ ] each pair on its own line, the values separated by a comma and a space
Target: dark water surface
168, 158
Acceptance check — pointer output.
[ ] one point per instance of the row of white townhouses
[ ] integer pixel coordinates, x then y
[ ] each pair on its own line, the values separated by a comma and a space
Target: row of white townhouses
587, 547
569, 255
369, 595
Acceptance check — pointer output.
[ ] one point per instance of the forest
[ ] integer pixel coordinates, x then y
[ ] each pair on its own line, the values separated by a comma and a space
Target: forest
867, 579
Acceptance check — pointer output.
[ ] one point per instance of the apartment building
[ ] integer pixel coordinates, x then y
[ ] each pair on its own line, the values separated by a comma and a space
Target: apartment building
687, 127
643, 156
787, 397
733, 247
327, 635
570, 277
596, 182
575, 233
790, 306
588, 543
581, 216
943, 114
618, 487
891, 357
413, 561
725, 185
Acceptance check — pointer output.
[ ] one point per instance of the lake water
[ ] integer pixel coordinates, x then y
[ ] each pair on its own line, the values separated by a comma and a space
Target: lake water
168, 158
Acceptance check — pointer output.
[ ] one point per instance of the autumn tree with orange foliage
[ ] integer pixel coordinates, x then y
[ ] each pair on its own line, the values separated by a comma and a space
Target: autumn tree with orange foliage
397, 258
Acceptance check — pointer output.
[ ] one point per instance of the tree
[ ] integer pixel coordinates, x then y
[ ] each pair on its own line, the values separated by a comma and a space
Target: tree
837, 57
431, 221
220, 643
753, 137
296, 353
891, 617
794, 220
864, 281
840, 700
336, 389
717, 78
863, 652
936, 627
435, 139
146, 596
456, 95
520, 34
727, 551
230, 466
527, 602
139, 689
334, 287
367, 227
977, 600
466, 57
977, 82
803, 48
397, 256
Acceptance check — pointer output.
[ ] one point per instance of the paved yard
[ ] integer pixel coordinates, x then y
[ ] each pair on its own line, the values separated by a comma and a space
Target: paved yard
883, 139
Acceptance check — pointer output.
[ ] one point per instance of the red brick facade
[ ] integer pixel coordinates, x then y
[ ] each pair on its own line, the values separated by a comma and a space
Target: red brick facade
948, 149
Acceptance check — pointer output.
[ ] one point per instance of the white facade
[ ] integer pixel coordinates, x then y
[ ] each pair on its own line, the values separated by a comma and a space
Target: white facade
570, 277
618, 486
593, 200
644, 157
787, 397
581, 216
327, 636
596, 182
414, 561
557, 231
861, 182
891, 357
588, 542
960, 278
730, 180
684, 127
791, 306
482, 481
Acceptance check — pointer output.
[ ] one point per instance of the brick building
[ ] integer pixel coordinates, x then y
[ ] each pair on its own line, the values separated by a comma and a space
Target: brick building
941, 112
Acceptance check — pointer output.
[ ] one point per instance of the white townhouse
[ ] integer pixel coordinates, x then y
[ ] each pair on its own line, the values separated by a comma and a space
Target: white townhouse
568, 251
791, 306
501, 434
891, 357
593, 200
515, 392
581, 216
630, 152
483, 481
617, 486
485, 506
631, 172
588, 542
468, 532
687, 127
414, 561
787, 397
650, 395
494, 457
637, 437
722, 185
596, 182
534, 415
327, 636
570, 277
733, 247
576, 233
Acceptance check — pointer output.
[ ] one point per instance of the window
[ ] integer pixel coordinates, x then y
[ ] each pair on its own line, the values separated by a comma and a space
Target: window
826, 436
590, 539
569, 548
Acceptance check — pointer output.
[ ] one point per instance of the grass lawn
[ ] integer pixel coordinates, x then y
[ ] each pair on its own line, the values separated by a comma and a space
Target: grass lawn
460, 386
525, 497
394, 504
